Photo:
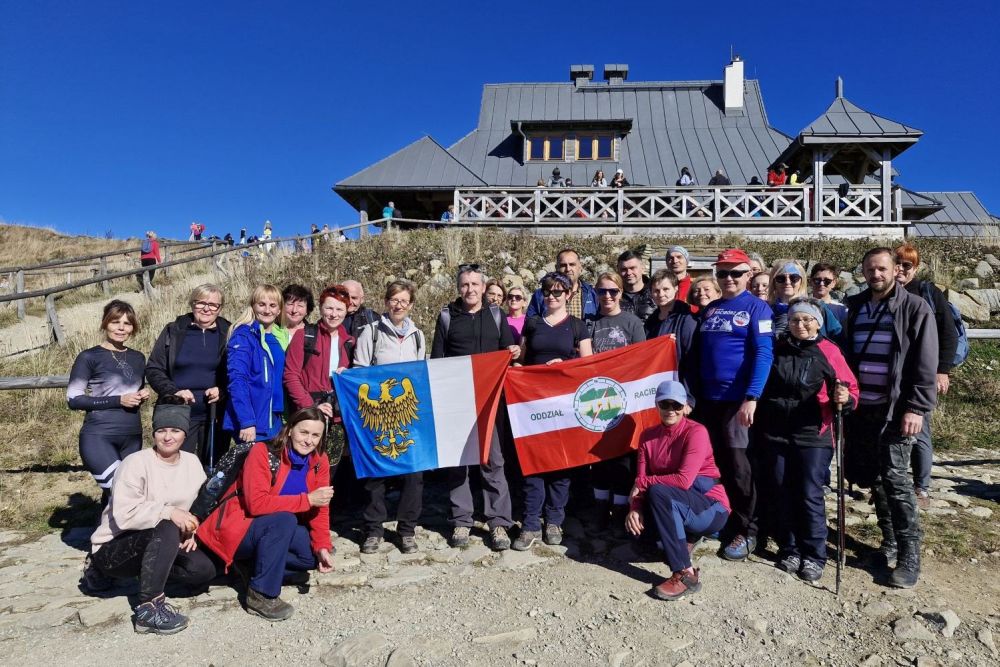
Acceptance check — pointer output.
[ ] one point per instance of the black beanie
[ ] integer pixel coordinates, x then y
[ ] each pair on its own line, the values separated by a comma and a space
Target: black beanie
166, 415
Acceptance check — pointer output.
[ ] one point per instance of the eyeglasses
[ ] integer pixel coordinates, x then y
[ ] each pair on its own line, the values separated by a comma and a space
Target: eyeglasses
823, 281
206, 305
906, 266
515, 297
803, 321
669, 406
792, 278
556, 293
399, 303
613, 292
734, 274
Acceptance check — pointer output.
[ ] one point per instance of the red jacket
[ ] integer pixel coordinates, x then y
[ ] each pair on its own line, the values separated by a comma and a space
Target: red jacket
315, 376
252, 495
154, 251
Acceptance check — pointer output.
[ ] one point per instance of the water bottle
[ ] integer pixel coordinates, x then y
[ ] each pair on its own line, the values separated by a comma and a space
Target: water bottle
214, 485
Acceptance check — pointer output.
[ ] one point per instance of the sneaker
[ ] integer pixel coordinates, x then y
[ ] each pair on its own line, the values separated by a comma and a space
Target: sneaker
739, 548
499, 539
790, 564
923, 498
273, 609
525, 539
158, 617
408, 544
553, 534
678, 585
459, 537
93, 580
811, 570
371, 544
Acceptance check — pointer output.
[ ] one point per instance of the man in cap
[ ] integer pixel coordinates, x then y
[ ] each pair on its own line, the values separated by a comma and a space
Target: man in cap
733, 353
678, 259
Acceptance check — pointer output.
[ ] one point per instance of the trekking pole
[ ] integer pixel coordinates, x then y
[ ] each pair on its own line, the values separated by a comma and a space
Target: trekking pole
841, 519
211, 439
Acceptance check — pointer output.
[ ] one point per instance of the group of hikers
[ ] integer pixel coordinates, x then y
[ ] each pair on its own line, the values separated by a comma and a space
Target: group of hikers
743, 448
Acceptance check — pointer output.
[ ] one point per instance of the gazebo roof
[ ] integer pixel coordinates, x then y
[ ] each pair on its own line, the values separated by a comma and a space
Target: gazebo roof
845, 121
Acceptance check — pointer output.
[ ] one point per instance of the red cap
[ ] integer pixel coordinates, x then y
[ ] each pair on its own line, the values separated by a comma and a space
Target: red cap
732, 256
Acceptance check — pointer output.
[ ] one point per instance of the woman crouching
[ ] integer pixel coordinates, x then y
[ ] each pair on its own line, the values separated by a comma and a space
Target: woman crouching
274, 523
146, 528
677, 483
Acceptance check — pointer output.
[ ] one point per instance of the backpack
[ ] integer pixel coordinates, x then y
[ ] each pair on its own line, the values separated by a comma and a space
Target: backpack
226, 473
962, 350
310, 331
146, 247
446, 318
375, 326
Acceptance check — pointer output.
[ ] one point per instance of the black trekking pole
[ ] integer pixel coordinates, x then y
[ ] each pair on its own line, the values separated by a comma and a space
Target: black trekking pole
841, 519
211, 439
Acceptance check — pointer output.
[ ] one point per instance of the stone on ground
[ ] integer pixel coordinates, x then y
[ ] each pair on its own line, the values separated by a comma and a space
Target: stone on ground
512, 637
356, 650
911, 629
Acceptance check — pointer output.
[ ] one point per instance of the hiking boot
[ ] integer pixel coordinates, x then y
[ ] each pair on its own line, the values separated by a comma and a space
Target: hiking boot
158, 617
618, 514
923, 498
889, 553
93, 580
811, 570
525, 539
739, 548
907, 570
790, 564
678, 585
553, 534
371, 544
499, 539
408, 544
459, 537
273, 609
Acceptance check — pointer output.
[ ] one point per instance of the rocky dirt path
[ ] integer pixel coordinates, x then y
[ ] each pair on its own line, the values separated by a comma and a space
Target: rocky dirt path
582, 603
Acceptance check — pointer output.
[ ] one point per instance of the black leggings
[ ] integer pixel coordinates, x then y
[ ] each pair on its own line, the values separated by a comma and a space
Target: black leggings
155, 556
102, 453
152, 272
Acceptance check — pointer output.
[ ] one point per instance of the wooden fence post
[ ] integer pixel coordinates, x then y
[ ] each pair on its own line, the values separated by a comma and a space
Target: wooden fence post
105, 285
18, 288
147, 287
364, 224
55, 330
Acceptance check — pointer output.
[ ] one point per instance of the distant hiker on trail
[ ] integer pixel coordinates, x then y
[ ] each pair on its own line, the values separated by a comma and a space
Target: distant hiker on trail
149, 255
197, 229
188, 361
107, 383
266, 237
146, 529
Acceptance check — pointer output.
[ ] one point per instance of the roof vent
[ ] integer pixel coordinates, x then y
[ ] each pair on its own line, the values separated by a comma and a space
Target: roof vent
732, 87
580, 75
615, 74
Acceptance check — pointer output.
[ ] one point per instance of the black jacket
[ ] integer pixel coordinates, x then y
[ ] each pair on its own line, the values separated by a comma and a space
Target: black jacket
639, 303
947, 333
160, 365
359, 320
470, 334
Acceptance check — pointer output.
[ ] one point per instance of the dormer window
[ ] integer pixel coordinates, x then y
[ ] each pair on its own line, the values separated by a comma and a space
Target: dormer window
571, 141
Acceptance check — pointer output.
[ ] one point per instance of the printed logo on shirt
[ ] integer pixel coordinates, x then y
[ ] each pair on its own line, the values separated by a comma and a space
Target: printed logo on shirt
741, 319
717, 323
764, 326
599, 404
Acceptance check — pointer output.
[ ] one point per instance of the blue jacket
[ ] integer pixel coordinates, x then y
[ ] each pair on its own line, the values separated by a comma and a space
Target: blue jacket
252, 375
587, 293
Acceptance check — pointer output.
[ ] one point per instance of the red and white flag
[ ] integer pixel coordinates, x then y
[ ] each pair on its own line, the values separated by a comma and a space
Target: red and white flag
587, 410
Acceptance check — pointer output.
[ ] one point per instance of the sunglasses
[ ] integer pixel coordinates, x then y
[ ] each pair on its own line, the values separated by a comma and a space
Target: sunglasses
515, 297
670, 406
340, 291
553, 292
613, 292
734, 274
783, 279
823, 281
468, 267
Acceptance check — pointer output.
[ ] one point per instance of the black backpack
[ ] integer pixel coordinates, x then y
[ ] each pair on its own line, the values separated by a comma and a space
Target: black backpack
210, 495
310, 331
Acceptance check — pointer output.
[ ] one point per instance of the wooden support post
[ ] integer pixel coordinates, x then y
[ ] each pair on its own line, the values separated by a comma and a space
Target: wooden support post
164, 258
886, 165
19, 288
147, 287
55, 330
716, 205
363, 219
105, 285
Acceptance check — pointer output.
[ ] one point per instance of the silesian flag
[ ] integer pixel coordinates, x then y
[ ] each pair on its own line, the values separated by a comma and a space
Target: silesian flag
587, 410
421, 415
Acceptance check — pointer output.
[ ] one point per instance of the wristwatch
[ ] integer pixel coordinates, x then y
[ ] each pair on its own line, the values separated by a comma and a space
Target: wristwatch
751, 397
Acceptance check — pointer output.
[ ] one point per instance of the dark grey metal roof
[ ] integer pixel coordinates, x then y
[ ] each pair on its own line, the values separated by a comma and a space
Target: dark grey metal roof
422, 164
963, 215
844, 119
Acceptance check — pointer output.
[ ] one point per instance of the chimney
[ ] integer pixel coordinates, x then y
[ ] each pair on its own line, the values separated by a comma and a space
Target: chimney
839, 89
732, 87
615, 75
581, 75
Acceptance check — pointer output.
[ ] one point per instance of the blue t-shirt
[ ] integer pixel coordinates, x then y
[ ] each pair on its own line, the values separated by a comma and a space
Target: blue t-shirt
295, 483
277, 389
736, 348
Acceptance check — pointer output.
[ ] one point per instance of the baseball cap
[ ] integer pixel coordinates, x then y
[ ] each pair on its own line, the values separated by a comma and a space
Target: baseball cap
732, 256
671, 390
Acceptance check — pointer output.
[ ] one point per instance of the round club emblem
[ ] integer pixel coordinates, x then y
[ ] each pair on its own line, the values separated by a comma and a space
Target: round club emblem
741, 319
599, 404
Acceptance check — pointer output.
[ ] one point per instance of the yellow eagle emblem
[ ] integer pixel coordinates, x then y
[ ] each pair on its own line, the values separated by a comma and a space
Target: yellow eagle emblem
388, 416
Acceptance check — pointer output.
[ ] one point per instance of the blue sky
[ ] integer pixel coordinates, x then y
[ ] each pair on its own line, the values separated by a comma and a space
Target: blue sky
126, 116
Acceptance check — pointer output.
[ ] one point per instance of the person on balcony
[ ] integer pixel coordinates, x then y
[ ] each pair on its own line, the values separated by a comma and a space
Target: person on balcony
557, 181
599, 181
776, 175
719, 178
582, 299
619, 180
686, 180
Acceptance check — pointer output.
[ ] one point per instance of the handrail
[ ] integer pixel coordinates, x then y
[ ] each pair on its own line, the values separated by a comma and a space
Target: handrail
83, 258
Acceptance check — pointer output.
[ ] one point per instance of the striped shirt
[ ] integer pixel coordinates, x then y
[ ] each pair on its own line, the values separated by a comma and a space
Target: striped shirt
872, 345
